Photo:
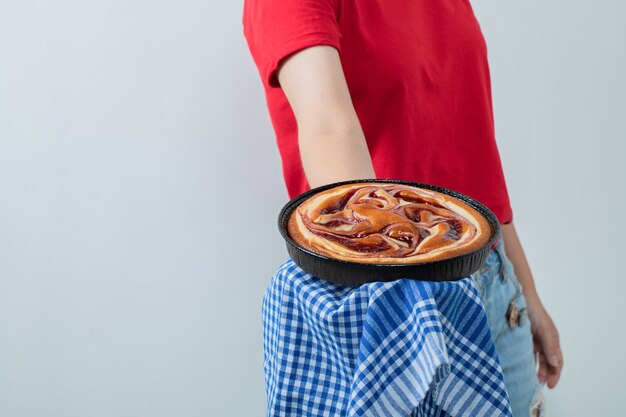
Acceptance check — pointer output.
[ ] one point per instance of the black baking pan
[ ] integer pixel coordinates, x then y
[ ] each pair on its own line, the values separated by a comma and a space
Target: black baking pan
356, 273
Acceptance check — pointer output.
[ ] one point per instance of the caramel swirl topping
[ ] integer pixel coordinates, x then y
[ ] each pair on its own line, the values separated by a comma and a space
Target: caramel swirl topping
387, 223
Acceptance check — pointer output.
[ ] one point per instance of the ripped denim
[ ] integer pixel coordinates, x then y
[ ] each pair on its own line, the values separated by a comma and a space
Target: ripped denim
505, 304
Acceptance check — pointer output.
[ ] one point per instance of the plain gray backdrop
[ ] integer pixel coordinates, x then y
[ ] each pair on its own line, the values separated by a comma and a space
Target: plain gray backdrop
140, 185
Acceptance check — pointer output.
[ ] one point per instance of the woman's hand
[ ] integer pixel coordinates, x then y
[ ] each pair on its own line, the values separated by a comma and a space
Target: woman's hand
547, 347
546, 344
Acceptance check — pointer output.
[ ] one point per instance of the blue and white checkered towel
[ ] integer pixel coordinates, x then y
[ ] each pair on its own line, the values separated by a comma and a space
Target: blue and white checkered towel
384, 349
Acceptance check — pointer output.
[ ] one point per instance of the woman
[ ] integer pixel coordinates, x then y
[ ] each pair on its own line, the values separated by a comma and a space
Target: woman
382, 89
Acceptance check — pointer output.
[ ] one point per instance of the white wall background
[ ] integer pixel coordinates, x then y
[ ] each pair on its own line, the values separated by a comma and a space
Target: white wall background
137, 162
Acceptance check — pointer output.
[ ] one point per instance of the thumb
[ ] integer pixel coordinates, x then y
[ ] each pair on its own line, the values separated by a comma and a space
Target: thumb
552, 349
553, 360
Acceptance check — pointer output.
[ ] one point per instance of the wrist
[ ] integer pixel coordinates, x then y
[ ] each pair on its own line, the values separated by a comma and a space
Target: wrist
530, 294
534, 303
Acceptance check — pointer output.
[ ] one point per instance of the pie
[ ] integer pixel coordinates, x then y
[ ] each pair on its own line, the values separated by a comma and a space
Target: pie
387, 223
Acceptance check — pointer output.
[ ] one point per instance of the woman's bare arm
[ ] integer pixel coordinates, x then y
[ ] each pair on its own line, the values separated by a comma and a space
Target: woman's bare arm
331, 141
545, 335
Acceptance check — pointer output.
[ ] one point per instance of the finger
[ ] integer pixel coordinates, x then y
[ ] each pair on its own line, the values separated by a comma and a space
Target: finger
554, 372
553, 356
552, 349
536, 350
553, 376
558, 359
542, 373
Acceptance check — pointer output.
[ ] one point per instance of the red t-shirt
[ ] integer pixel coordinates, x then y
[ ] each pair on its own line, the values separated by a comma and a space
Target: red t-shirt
418, 75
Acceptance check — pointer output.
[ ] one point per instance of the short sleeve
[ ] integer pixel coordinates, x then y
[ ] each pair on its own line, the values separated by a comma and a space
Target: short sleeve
275, 29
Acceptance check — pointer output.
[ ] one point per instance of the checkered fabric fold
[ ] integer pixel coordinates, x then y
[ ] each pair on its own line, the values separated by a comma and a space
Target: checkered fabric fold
401, 348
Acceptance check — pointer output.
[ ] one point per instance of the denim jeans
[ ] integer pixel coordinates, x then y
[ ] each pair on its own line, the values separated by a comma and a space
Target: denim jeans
500, 291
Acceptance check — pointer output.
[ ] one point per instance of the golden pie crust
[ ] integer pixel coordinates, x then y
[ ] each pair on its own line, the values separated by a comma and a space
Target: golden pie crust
387, 223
